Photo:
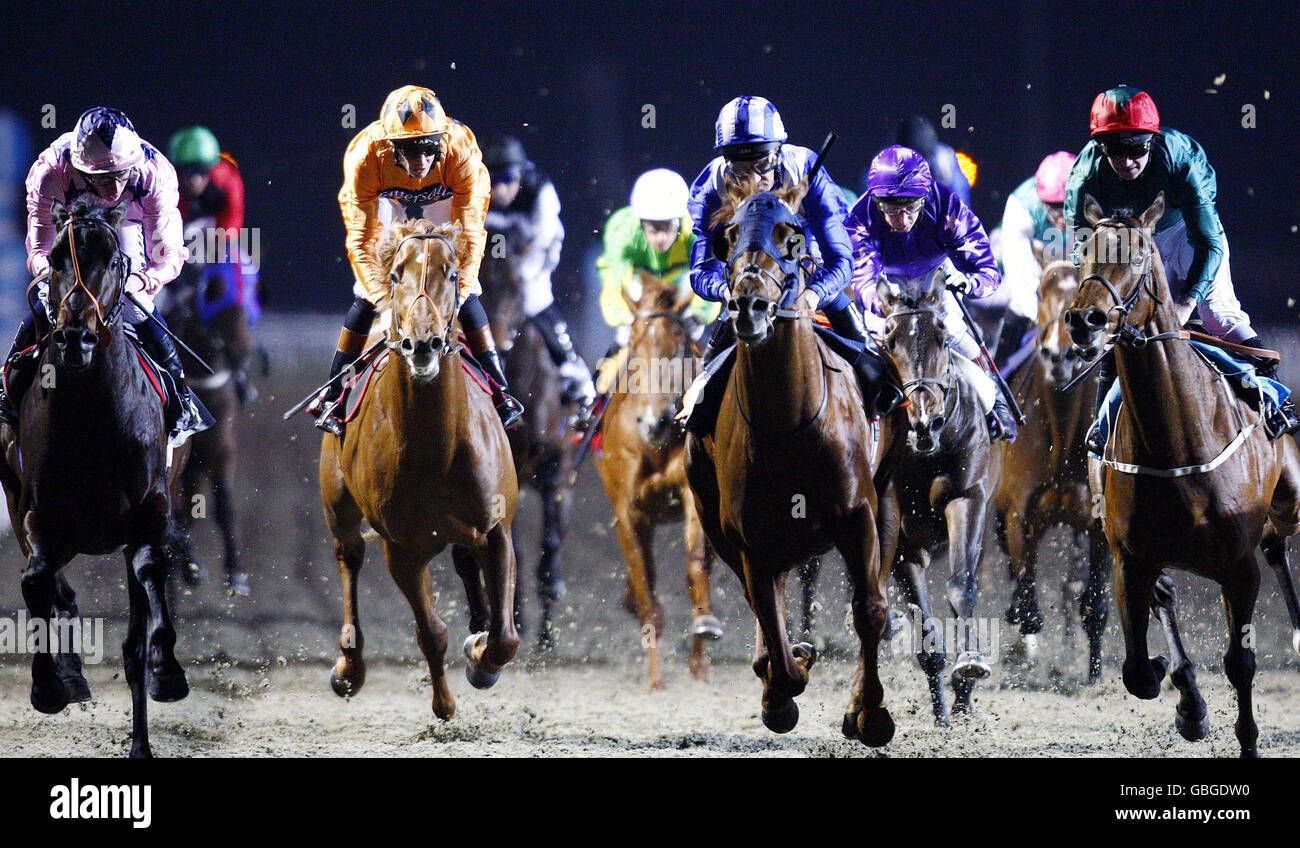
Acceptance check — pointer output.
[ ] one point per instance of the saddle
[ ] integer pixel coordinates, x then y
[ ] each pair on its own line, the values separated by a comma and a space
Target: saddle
355, 389
1235, 363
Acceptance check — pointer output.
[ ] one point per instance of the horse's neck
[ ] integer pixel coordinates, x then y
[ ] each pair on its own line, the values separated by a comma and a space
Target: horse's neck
88, 392
1173, 400
781, 382
1067, 414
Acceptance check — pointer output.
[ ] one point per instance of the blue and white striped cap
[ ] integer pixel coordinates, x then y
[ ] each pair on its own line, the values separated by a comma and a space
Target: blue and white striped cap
748, 120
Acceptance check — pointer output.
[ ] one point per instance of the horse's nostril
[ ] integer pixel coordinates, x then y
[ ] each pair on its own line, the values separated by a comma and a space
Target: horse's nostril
408, 345
1095, 318
1070, 353
936, 423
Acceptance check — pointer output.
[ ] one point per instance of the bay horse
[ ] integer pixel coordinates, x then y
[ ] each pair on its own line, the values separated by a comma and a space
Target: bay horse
224, 342
1191, 480
88, 470
642, 464
936, 486
545, 453
426, 463
787, 472
1044, 480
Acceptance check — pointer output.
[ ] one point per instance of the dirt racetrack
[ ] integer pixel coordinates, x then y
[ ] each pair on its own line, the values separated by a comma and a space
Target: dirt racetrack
258, 665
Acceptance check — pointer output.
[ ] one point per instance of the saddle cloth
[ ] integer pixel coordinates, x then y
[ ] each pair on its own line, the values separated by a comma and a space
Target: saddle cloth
355, 389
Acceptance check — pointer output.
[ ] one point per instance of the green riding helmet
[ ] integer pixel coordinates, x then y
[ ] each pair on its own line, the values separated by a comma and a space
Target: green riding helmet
194, 147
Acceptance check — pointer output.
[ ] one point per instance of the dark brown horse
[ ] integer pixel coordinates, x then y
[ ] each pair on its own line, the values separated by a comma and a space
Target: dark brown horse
88, 472
224, 343
426, 464
935, 487
642, 464
544, 451
1044, 478
1191, 479
787, 472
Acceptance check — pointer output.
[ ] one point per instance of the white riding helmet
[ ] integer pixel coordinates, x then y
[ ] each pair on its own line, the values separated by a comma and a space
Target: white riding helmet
104, 141
659, 195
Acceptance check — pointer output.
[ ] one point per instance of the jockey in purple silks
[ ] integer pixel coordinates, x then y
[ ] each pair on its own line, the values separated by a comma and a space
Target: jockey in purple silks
905, 227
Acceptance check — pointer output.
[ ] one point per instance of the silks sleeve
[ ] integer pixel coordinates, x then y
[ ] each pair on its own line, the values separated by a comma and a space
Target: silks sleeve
471, 187
359, 203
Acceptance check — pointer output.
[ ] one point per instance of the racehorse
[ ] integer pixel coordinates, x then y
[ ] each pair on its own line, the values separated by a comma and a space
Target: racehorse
426, 463
1191, 481
936, 486
642, 464
89, 471
544, 451
787, 472
1044, 478
223, 341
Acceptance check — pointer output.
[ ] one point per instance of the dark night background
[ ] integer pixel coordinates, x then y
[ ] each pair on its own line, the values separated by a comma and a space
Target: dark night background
572, 79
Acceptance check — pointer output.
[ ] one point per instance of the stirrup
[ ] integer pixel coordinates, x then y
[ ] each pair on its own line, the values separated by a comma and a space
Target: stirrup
510, 410
325, 420
1280, 420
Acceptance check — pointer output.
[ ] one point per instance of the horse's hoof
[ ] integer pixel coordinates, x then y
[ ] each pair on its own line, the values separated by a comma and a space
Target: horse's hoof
78, 689
783, 718
895, 624
875, 727
1159, 666
237, 583
943, 721
1192, 728
707, 626
342, 688
1295, 640
971, 666
806, 652
1250, 753
141, 752
477, 678
849, 727
168, 687
51, 698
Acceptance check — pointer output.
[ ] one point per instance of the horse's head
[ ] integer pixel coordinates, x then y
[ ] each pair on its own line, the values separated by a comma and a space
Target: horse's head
424, 288
87, 273
763, 248
1118, 263
660, 343
916, 340
1056, 290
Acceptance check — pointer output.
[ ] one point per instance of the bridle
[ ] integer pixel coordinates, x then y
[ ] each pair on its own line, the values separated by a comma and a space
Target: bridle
930, 385
394, 342
1124, 332
105, 322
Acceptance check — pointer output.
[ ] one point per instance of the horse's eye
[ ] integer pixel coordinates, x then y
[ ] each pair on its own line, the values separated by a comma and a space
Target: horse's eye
1139, 256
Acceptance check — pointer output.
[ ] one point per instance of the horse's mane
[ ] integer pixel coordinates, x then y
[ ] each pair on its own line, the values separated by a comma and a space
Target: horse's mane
85, 208
732, 195
388, 247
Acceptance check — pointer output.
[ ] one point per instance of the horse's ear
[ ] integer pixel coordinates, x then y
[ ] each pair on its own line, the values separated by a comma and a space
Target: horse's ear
59, 213
1092, 210
792, 196
885, 293
935, 285
1040, 252
724, 238
115, 215
1154, 213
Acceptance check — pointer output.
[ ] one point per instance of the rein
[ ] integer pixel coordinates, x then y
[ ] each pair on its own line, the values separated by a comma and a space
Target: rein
394, 343
926, 382
105, 323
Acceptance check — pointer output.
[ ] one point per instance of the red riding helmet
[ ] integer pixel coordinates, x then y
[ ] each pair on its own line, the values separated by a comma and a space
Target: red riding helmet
1123, 109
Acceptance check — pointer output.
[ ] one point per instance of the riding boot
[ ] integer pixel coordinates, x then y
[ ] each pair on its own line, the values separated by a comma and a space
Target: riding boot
721, 337
1105, 379
352, 343
575, 379
1278, 420
20, 369
880, 394
1014, 328
483, 348
1002, 424
193, 418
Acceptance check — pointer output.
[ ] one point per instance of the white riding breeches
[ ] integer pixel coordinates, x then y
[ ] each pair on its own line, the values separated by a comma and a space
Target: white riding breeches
1220, 310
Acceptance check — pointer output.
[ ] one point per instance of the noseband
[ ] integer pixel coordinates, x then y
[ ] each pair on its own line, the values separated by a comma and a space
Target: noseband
106, 332
927, 384
395, 343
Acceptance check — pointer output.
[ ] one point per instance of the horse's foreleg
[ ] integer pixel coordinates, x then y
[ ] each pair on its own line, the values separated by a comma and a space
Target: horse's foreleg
965, 520
68, 661
866, 719
40, 594
134, 649
411, 575
1093, 609
930, 653
636, 535
1134, 582
488, 652
1239, 595
784, 677
808, 573
165, 677
556, 498
344, 518
1022, 548
704, 626
475, 594
1191, 715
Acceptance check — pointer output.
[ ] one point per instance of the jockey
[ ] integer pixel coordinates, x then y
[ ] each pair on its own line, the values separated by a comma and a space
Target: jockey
414, 162
905, 226
104, 159
749, 139
212, 201
1034, 218
1129, 161
525, 210
651, 237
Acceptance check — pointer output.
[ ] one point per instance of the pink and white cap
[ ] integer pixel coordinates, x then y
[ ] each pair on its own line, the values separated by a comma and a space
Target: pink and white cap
104, 141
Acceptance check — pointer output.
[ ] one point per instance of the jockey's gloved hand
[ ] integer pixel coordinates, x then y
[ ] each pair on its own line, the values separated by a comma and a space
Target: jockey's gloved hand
576, 385
957, 282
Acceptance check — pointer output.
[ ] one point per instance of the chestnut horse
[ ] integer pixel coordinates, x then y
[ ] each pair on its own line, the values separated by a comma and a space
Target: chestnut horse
89, 474
935, 488
787, 473
426, 463
1191, 481
642, 464
1044, 478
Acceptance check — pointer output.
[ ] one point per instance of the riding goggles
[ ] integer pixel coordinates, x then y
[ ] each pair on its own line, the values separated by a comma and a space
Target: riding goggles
753, 167
899, 205
427, 145
1134, 147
